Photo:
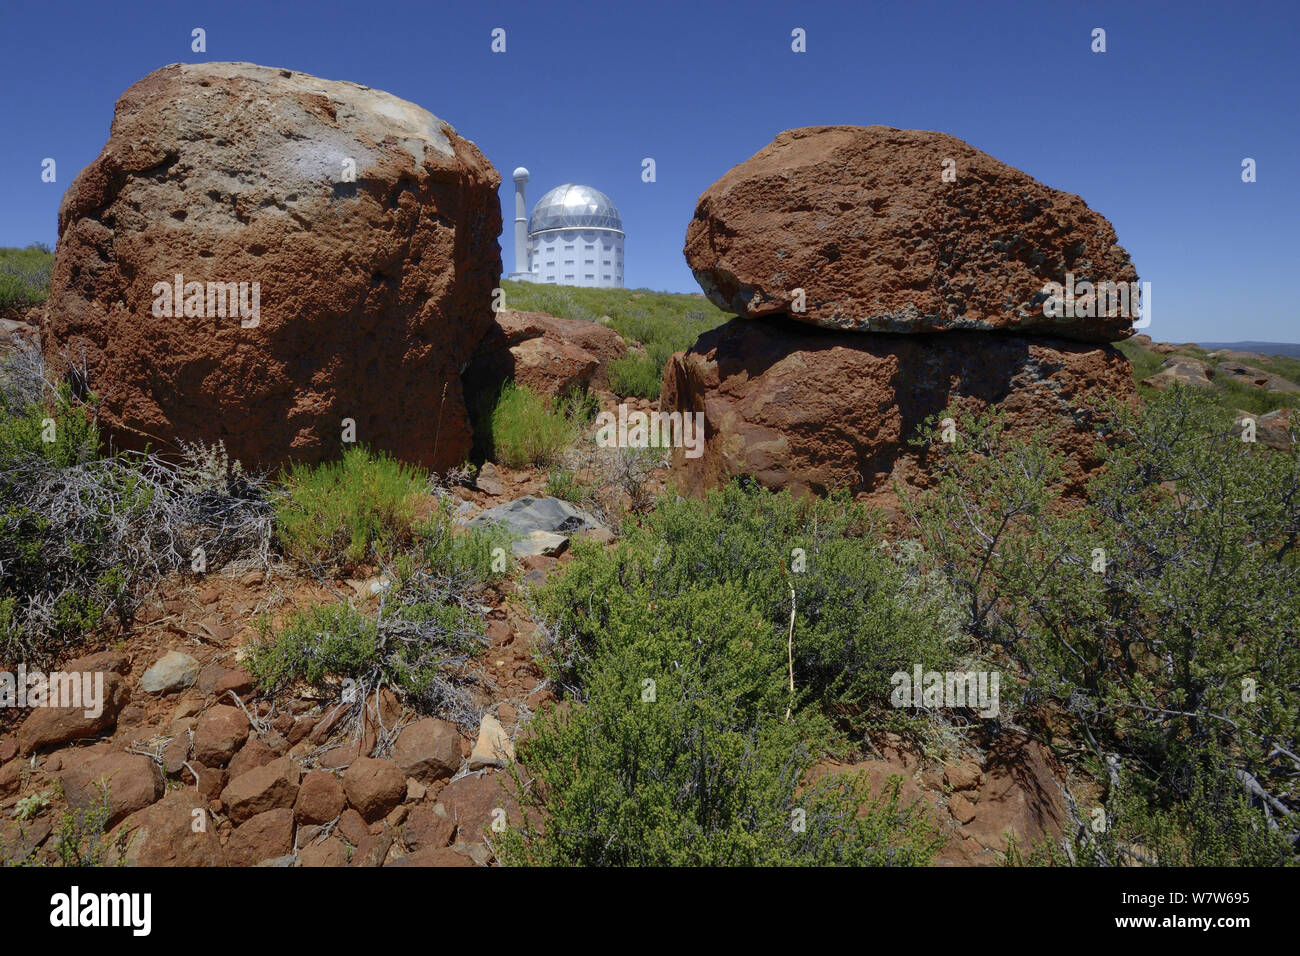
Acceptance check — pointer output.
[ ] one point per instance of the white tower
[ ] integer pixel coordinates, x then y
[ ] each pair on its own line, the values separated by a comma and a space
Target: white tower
522, 271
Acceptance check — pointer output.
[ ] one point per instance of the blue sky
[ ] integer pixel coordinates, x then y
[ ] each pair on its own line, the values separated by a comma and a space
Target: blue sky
1151, 133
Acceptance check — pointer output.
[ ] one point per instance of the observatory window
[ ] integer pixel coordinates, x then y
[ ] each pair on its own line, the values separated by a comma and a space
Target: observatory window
569, 247
569, 276
589, 276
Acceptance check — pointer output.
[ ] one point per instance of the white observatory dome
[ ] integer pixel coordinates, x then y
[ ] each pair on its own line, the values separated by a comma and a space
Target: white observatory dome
574, 237
574, 207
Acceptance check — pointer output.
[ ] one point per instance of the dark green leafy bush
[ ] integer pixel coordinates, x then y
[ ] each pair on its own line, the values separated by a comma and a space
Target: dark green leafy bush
684, 744
1160, 616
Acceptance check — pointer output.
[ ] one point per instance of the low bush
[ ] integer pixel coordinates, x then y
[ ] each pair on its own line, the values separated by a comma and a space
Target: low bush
563, 483
636, 375
1159, 619
82, 537
524, 428
348, 512
25, 275
684, 743
860, 614
419, 642
680, 754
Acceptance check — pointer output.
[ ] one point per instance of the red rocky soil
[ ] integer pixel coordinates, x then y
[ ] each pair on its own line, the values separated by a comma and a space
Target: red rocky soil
268, 792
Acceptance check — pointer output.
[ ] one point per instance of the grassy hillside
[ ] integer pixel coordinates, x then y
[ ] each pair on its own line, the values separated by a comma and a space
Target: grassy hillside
662, 322
1227, 393
25, 275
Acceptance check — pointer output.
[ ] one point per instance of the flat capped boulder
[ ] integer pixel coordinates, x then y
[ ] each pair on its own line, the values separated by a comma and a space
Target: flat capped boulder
865, 222
258, 254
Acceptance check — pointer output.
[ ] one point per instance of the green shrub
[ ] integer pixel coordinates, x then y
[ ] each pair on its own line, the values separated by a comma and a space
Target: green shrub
563, 483
1233, 395
525, 428
466, 558
698, 767
662, 322
636, 375
59, 431
420, 641
81, 839
684, 744
420, 651
348, 512
1145, 362
25, 275
1176, 659
861, 615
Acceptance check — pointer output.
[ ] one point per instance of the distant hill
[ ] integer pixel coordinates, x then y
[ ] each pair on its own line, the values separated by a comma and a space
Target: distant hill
1263, 348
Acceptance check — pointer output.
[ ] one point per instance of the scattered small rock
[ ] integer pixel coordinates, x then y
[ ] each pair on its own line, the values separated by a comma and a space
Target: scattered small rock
428, 750
271, 786
219, 733
374, 787
962, 776
352, 827
172, 672
493, 748
320, 798
489, 480
962, 810
262, 837
329, 852
165, 834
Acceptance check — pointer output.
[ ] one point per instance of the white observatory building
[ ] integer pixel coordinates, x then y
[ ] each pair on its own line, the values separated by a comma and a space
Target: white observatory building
574, 237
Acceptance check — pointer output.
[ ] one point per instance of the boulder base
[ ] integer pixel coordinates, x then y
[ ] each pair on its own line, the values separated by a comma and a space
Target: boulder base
813, 410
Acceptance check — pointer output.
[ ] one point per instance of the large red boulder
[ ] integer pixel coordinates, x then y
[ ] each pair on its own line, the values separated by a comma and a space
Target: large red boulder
814, 410
366, 226
864, 220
